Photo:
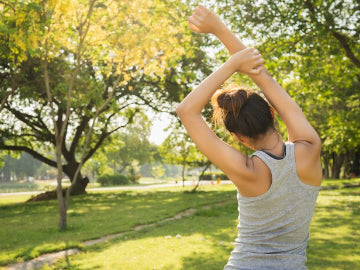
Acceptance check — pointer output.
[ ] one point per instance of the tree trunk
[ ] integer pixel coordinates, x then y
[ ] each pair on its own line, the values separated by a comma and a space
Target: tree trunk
59, 192
80, 186
355, 166
81, 183
338, 160
326, 161
183, 173
201, 175
78, 189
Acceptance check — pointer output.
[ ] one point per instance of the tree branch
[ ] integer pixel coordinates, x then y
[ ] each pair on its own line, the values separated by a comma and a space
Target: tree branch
104, 135
4, 100
29, 151
349, 53
25, 118
329, 27
79, 131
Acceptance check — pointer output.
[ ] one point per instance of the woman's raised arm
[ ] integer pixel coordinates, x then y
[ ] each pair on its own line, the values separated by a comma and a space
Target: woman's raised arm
232, 162
308, 143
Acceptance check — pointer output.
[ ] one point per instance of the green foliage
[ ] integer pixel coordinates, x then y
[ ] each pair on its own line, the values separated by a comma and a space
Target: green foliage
178, 148
114, 180
214, 176
96, 48
158, 171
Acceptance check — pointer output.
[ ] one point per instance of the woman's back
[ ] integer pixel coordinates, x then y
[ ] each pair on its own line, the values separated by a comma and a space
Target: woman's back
274, 227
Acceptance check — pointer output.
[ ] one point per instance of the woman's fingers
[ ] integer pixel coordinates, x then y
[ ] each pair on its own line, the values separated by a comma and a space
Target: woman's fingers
259, 61
193, 27
193, 21
197, 17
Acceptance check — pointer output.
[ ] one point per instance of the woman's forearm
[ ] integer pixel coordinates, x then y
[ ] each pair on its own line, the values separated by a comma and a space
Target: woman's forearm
230, 41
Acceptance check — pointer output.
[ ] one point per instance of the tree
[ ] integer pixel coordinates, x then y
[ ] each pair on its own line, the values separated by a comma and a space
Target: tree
179, 149
74, 68
129, 145
91, 49
312, 47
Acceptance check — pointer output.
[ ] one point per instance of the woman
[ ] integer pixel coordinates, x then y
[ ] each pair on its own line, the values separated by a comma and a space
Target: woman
278, 185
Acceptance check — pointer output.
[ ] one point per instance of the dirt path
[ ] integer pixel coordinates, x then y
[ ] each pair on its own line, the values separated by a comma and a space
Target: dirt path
51, 258
173, 184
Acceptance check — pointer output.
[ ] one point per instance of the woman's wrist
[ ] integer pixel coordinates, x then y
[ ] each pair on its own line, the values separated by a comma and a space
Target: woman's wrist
221, 31
232, 64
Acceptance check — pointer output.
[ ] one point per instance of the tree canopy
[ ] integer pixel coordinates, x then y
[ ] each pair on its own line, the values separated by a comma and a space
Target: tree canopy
99, 49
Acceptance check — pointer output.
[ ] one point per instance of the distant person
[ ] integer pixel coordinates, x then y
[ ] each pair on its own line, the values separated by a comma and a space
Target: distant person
279, 183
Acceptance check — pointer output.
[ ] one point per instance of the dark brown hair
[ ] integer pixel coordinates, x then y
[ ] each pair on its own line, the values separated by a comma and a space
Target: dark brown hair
243, 112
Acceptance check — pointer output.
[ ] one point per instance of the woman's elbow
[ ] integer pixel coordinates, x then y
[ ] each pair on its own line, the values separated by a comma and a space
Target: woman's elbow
180, 110
316, 142
183, 110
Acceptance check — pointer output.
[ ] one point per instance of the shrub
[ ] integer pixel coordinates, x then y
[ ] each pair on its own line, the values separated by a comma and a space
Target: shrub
113, 180
134, 178
213, 176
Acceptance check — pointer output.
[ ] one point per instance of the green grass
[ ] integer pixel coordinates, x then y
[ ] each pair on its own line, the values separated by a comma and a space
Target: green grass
336, 183
206, 240
205, 243
28, 230
335, 231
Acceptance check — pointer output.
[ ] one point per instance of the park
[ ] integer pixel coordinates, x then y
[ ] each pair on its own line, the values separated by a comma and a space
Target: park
97, 171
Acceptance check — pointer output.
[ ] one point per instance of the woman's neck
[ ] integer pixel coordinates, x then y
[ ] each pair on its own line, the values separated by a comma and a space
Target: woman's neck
272, 142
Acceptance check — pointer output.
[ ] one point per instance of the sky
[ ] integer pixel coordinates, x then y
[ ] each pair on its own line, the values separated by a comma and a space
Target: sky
160, 121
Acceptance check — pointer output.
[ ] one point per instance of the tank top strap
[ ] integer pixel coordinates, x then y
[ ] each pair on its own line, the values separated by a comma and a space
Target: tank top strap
290, 148
275, 163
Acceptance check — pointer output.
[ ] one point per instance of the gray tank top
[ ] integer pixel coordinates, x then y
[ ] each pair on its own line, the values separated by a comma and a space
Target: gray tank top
274, 227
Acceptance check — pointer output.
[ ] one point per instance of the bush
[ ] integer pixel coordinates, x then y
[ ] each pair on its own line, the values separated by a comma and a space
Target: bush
134, 178
213, 176
113, 180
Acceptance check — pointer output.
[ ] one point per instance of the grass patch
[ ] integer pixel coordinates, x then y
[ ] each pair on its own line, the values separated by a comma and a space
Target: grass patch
202, 241
335, 231
340, 183
28, 230
206, 240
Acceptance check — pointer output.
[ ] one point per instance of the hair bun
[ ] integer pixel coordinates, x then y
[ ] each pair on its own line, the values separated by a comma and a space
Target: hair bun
232, 101
242, 111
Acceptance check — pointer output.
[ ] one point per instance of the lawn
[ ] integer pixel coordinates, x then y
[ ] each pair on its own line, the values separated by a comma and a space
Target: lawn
28, 230
206, 240
202, 241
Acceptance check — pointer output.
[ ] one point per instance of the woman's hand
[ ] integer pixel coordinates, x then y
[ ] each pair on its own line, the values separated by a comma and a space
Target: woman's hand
248, 61
204, 20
